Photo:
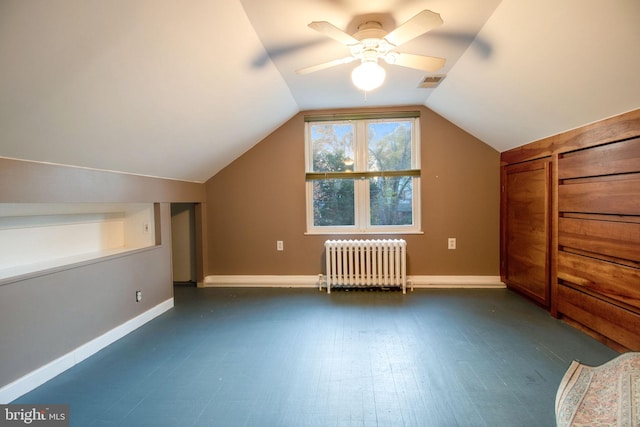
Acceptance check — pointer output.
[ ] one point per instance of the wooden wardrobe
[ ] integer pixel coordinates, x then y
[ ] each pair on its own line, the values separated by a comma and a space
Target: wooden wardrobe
570, 227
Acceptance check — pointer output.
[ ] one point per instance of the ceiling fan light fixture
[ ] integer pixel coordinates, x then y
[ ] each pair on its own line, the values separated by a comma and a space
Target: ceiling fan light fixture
368, 76
391, 58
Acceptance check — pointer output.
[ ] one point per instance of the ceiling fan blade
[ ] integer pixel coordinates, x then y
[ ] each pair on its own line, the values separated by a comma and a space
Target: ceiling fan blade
414, 27
325, 65
419, 62
334, 32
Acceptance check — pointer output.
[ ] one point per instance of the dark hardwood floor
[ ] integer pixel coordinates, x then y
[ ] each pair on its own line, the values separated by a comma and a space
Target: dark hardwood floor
299, 357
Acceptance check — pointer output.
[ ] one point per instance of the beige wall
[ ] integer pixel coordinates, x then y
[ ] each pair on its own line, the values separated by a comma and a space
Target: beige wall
48, 314
260, 198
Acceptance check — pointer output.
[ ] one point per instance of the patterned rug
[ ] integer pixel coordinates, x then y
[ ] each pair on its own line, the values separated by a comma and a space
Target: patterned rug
605, 395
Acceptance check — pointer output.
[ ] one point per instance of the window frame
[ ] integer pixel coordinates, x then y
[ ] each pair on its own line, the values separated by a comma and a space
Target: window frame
362, 207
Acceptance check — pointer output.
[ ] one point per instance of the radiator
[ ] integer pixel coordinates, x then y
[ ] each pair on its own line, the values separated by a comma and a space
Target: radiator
358, 263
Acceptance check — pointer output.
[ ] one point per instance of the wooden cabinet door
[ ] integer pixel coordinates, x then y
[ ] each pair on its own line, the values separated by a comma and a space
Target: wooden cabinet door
526, 229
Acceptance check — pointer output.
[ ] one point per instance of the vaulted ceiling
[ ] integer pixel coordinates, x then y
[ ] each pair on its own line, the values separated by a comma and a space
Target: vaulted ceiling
180, 89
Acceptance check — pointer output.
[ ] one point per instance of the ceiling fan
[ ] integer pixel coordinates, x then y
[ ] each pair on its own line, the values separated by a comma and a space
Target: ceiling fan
371, 43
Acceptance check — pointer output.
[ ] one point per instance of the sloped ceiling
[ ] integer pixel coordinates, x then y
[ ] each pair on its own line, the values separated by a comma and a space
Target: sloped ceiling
180, 89
556, 66
291, 44
157, 87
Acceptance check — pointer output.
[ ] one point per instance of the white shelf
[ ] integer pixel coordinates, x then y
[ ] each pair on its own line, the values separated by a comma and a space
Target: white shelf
40, 237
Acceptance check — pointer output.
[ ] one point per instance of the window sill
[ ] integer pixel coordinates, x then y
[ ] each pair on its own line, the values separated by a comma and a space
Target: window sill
362, 233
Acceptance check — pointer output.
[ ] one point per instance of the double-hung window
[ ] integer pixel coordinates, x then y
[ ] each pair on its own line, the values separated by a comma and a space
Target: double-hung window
363, 173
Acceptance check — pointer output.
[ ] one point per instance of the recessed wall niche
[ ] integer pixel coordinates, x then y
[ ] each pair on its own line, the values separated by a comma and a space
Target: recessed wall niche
36, 237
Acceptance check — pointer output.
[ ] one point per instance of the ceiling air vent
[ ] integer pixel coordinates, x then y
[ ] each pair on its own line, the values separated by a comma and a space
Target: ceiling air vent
430, 82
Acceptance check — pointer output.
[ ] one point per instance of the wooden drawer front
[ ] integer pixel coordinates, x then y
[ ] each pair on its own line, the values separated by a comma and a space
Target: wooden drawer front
615, 239
616, 158
616, 323
615, 281
619, 197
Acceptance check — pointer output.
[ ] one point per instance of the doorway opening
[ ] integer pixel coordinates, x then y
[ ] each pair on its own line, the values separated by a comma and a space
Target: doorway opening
184, 250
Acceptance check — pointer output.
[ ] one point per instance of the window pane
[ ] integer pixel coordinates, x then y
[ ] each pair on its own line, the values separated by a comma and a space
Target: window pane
383, 145
333, 202
332, 146
389, 144
391, 200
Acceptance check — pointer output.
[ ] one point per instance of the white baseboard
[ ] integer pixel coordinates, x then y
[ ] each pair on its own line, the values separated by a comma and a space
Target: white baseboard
288, 281
456, 282
284, 281
43, 374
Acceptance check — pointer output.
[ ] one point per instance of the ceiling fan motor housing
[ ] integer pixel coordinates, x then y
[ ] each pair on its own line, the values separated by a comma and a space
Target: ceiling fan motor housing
372, 43
370, 30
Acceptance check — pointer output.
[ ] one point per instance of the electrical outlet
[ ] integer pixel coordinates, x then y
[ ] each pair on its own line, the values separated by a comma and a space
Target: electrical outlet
279, 245
138, 296
451, 243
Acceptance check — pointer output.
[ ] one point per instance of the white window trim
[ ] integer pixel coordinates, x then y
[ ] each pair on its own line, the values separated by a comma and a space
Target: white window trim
362, 216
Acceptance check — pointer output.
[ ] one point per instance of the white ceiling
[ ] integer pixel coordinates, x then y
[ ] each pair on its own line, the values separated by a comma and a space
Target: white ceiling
180, 89
282, 26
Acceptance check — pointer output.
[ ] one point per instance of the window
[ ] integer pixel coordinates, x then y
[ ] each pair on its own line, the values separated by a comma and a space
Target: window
363, 174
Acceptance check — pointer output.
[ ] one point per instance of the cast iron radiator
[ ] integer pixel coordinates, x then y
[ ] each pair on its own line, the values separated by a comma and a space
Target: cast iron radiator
358, 263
